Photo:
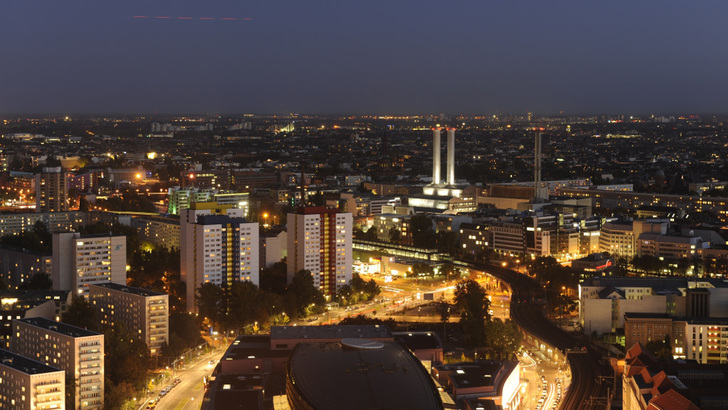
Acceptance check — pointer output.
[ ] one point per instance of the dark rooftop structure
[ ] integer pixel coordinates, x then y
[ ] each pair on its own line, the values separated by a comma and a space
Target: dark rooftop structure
59, 327
418, 340
235, 391
128, 289
358, 374
23, 364
329, 332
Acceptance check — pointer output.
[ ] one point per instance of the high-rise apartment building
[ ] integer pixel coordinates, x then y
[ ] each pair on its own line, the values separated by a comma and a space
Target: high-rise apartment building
143, 312
319, 241
26, 384
78, 351
50, 190
217, 245
82, 260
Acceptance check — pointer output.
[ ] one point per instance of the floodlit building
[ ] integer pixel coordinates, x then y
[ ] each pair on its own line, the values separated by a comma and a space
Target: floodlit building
82, 260
50, 190
320, 241
181, 198
27, 384
217, 245
78, 351
143, 312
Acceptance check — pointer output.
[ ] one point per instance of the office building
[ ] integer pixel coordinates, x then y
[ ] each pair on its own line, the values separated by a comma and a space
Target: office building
217, 245
143, 312
26, 384
320, 241
78, 351
82, 260
50, 190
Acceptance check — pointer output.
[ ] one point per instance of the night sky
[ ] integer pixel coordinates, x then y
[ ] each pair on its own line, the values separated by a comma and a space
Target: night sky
363, 57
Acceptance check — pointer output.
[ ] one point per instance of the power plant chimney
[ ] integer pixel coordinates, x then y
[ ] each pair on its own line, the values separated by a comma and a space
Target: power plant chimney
451, 156
537, 168
436, 167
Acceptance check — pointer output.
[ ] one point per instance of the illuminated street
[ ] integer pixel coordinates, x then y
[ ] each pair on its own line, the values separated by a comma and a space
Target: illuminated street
188, 393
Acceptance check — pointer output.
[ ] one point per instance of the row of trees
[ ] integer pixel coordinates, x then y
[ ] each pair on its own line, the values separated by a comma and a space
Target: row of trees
243, 304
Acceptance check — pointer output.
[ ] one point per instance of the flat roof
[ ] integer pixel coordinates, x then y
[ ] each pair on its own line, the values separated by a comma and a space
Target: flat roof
58, 327
332, 376
24, 364
418, 340
479, 374
654, 282
332, 332
127, 289
641, 315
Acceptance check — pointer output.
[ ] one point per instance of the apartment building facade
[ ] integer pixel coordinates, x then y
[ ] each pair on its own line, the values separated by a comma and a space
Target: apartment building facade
79, 352
144, 313
82, 260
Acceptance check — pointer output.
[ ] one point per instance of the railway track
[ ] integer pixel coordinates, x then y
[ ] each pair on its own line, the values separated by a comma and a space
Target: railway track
588, 389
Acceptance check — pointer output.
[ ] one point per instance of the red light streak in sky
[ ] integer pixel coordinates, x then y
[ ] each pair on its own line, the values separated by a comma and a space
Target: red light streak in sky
194, 18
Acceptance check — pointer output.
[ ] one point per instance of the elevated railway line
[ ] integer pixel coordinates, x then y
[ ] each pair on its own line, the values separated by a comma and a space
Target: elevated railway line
590, 387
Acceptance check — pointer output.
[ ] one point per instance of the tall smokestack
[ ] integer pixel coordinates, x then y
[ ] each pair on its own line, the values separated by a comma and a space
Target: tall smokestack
436, 166
537, 168
451, 156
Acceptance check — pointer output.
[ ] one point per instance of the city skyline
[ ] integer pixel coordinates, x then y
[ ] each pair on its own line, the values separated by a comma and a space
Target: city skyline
325, 57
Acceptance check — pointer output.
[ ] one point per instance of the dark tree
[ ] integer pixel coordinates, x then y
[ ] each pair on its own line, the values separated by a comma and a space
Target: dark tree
209, 300
274, 279
503, 339
474, 305
81, 314
302, 297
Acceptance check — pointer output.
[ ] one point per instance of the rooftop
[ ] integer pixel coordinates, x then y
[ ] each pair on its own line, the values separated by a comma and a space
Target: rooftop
332, 376
655, 283
24, 364
58, 327
330, 332
127, 289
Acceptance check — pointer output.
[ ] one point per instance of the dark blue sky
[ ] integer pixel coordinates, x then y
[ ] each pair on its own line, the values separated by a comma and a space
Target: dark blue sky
348, 56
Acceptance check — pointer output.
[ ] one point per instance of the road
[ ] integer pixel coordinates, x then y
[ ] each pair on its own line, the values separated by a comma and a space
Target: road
187, 395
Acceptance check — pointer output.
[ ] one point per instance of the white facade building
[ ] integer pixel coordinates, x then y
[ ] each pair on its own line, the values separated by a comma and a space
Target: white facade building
217, 245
